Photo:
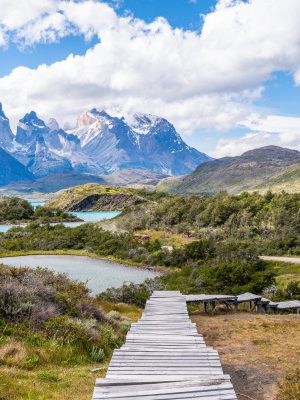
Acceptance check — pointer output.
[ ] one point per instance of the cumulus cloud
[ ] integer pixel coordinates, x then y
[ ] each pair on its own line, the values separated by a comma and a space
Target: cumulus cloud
265, 130
16, 14
205, 79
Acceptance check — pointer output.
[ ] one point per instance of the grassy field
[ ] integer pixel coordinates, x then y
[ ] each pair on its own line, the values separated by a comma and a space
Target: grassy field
168, 238
260, 352
285, 272
42, 370
66, 198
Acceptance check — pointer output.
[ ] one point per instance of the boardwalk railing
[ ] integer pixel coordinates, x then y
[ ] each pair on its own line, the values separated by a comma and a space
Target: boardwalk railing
259, 303
164, 358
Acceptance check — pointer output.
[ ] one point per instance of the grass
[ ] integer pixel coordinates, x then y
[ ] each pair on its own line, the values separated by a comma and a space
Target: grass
285, 272
31, 371
36, 368
54, 383
130, 312
260, 352
168, 238
77, 193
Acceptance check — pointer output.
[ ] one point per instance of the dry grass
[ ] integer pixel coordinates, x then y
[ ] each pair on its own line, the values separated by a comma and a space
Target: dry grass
168, 238
258, 351
129, 312
13, 353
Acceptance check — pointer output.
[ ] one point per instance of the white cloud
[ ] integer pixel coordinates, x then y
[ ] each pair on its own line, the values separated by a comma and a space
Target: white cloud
197, 80
47, 29
273, 124
266, 130
15, 13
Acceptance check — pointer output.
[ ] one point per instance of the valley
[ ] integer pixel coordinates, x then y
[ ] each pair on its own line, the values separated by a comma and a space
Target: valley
207, 244
117, 222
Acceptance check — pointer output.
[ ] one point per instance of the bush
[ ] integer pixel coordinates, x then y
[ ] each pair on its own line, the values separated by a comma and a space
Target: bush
35, 296
14, 208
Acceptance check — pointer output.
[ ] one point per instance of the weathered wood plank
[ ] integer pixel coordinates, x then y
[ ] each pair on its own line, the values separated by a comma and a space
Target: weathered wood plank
164, 358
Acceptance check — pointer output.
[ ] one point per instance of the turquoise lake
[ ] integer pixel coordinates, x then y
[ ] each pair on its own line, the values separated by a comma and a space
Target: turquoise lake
88, 216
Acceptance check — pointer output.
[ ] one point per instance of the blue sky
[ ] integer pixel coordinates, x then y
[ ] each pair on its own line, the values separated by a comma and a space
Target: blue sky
180, 13
194, 85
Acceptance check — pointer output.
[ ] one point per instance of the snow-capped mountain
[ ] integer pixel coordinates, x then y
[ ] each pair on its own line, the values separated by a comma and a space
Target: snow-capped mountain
108, 140
45, 148
140, 141
100, 143
160, 144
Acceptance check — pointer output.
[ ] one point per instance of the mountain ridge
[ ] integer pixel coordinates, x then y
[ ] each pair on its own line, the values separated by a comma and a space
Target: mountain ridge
99, 144
11, 170
255, 169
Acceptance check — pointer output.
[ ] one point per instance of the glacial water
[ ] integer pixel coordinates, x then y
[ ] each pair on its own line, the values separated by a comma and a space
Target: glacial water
86, 216
99, 274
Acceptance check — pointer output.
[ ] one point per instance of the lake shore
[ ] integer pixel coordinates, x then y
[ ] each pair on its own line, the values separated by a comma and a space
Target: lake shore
83, 253
24, 222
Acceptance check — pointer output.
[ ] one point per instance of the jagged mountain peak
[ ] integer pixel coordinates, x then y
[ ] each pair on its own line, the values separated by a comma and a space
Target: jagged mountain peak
31, 119
98, 113
53, 125
101, 143
142, 123
139, 140
94, 118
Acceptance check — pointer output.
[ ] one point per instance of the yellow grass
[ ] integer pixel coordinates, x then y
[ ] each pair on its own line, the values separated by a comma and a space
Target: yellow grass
259, 351
168, 238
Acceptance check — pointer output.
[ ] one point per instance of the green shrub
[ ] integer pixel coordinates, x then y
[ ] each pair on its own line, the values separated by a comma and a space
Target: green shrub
14, 208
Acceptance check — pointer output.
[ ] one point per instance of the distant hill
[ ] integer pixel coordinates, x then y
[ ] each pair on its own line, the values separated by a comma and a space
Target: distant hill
51, 183
130, 177
93, 197
12, 170
261, 169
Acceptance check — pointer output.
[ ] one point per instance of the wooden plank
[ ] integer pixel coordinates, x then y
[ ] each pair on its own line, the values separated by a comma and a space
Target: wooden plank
164, 358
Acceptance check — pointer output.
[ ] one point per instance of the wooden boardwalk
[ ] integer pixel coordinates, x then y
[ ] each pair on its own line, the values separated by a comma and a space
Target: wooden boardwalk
164, 358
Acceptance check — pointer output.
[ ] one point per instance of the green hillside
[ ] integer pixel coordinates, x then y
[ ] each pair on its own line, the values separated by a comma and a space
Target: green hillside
94, 197
261, 169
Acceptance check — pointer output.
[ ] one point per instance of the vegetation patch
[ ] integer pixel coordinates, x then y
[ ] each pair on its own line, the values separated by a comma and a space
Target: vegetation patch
14, 210
52, 333
95, 197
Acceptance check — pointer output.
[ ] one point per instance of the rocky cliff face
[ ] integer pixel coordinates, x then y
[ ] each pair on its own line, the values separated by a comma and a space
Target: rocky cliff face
12, 170
6, 135
141, 141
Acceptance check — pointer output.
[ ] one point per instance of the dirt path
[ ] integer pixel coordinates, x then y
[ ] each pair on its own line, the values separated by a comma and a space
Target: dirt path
293, 260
